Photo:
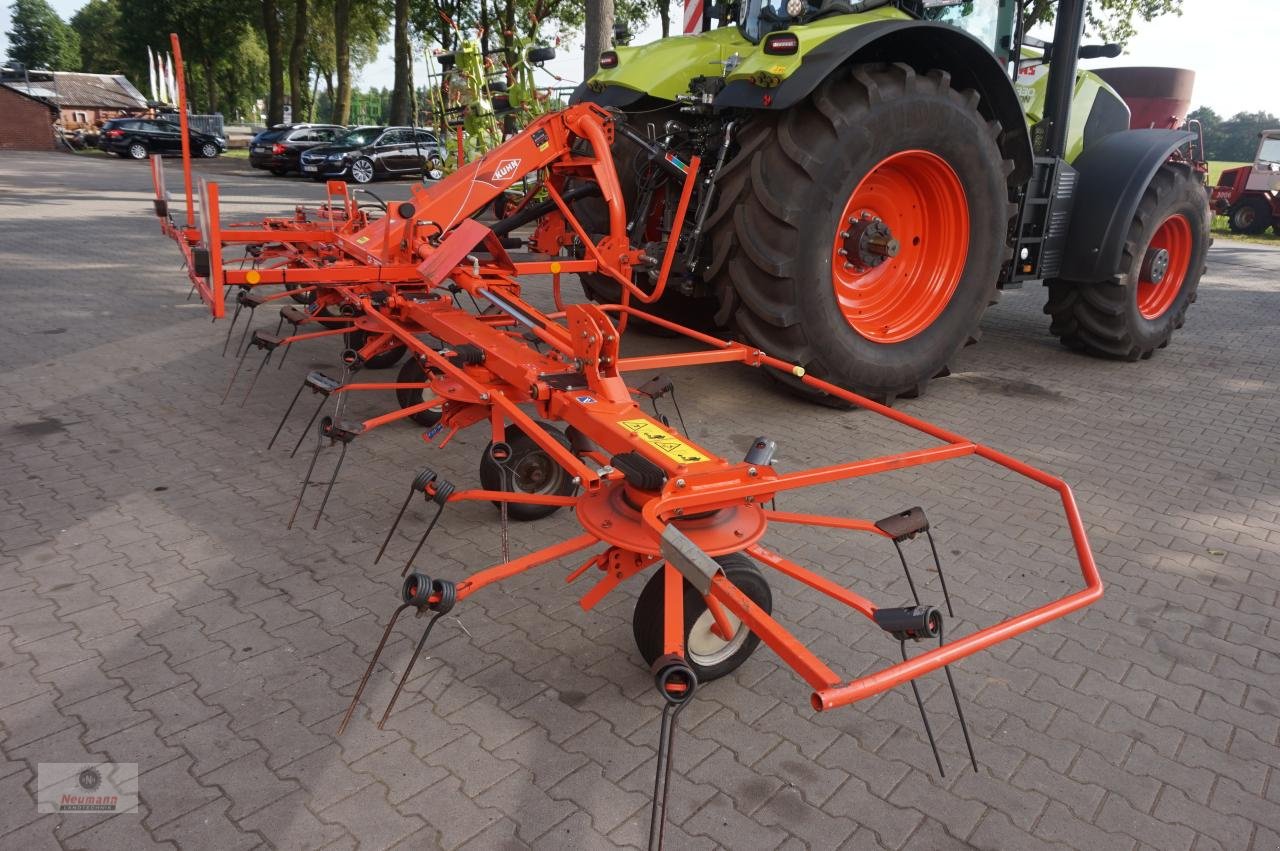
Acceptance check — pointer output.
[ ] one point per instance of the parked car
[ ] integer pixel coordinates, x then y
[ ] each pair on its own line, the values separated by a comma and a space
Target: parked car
139, 138
367, 153
279, 148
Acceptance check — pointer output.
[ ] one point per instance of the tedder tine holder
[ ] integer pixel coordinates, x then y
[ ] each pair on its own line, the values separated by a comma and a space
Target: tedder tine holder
337, 432
904, 526
268, 343
439, 596
916, 624
325, 386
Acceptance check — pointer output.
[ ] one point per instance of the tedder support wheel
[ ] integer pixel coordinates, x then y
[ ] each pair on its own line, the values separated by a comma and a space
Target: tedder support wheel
860, 233
1250, 216
709, 654
1136, 312
384, 360
529, 469
411, 371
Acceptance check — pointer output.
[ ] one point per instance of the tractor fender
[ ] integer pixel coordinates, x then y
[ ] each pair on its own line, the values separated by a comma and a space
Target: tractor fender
922, 45
609, 96
1113, 174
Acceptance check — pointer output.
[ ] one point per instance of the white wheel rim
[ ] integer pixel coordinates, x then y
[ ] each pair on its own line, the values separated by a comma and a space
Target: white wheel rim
208, 150
705, 648
137, 151
362, 171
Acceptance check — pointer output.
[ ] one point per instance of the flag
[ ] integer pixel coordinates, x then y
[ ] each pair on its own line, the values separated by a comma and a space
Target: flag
173, 81
151, 69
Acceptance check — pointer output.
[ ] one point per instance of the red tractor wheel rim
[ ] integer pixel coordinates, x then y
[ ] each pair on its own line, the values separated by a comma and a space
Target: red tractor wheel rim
1164, 267
900, 246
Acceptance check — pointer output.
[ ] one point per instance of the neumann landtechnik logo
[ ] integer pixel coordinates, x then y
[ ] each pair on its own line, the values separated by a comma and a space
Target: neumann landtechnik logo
71, 787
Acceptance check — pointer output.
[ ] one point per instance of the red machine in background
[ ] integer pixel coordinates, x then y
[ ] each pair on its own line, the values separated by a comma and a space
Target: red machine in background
425, 277
1249, 196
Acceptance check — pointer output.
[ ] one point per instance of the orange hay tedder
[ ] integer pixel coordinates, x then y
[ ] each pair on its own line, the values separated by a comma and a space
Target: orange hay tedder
647, 498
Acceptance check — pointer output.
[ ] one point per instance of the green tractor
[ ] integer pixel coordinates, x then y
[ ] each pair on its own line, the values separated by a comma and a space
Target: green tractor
875, 172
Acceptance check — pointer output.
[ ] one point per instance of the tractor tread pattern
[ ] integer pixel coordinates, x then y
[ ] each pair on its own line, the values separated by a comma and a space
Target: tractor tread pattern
1097, 318
750, 267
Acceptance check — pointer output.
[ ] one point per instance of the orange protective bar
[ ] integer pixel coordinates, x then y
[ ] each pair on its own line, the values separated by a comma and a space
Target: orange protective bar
180, 75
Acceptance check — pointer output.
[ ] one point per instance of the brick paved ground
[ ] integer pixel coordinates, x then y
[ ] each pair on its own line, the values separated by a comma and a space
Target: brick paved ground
154, 609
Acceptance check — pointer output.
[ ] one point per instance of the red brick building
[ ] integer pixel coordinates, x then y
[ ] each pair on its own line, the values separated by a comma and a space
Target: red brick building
28, 122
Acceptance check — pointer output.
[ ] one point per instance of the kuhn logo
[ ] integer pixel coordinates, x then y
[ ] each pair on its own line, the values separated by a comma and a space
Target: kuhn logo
505, 169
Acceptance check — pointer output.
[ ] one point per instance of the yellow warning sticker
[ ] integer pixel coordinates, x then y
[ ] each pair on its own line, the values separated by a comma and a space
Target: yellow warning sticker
667, 444
361, 240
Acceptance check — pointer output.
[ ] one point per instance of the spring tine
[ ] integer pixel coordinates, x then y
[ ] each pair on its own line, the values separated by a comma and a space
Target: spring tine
280, 323
394, 524
308, 426
234, 374
421, 541
342, 456
903, 558
662, 774
955, 695
306, 481
355, 699
254, 382
404, 678
287, 412
191, 291
937, 562
247, 325
508, 483
231, 327
925, 718
283, 355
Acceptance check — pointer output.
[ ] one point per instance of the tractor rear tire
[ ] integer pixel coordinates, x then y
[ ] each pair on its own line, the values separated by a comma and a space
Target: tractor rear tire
1250, 216
878, 141
1136, 312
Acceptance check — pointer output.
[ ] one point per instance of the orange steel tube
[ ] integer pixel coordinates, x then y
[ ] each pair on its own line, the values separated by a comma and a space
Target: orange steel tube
180, 75
499, 572
830, 522
818, 583
672, 611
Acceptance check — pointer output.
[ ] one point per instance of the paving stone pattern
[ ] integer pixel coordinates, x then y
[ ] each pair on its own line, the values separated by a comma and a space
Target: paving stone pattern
154, 609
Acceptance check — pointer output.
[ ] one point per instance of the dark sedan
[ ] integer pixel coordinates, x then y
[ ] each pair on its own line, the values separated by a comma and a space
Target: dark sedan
279, 148
139, 138
367, 153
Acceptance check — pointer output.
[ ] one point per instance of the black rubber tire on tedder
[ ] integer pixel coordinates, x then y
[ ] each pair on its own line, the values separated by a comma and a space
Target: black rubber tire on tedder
778, 215
411, 372
1107, 318
647, 620
534, 471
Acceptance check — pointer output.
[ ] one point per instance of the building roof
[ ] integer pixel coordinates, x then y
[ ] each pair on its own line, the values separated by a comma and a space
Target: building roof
40, 99
69, 89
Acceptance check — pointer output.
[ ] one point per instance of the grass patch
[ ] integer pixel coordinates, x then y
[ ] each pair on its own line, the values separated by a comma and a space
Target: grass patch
1216, 169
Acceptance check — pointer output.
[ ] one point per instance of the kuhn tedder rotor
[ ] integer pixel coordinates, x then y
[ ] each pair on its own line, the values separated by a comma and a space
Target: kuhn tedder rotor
647, 498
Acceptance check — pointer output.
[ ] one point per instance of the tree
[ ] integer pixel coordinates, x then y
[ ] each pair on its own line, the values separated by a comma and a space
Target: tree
273, 30
98, 26
40, 39
1110, 20
599, 31
298, 64
404, 72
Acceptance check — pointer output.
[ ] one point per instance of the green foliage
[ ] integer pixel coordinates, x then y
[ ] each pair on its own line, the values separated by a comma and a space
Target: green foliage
40, 39
1112, 21
1233, 139
98, 26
